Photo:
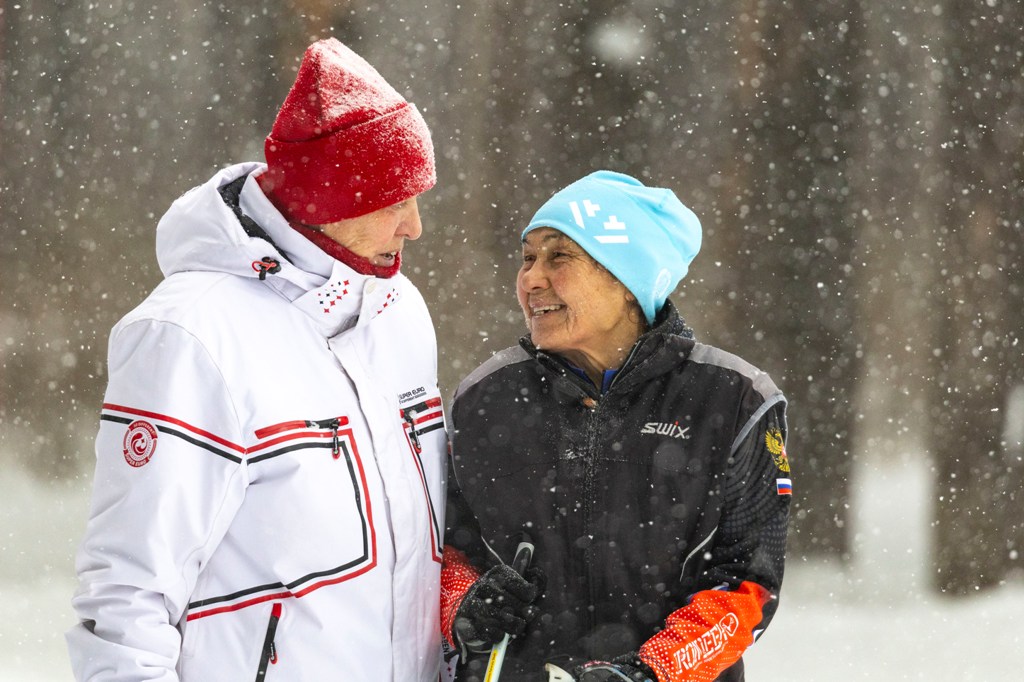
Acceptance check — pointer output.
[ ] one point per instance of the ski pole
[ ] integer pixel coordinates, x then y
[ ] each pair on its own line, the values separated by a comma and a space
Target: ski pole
524, 554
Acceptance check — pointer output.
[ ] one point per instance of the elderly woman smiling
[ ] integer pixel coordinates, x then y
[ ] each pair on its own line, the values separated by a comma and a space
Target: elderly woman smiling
574, 307
649, 469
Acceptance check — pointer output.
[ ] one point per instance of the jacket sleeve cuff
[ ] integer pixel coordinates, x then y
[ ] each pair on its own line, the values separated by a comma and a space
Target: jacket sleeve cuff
457, 575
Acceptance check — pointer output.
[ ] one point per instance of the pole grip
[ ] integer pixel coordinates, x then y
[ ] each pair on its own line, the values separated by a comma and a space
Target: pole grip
521, 561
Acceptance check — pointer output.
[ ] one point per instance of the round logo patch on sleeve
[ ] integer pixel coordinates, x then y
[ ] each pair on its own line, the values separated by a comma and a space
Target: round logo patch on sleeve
139, 443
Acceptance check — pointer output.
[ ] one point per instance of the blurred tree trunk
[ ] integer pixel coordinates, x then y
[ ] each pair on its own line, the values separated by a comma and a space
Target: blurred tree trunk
791, 237
539, 94
445, 65
790, 134
526, 98
896, 176
50, 316
107, 116
979, 314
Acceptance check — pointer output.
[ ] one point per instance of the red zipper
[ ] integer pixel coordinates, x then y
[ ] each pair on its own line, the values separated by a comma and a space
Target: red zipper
295, 425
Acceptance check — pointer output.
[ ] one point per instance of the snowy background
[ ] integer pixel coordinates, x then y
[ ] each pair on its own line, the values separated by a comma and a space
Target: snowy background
871, 620
858, 167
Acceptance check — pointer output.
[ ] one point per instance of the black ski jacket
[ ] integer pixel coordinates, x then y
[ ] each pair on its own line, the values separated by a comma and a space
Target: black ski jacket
673, 482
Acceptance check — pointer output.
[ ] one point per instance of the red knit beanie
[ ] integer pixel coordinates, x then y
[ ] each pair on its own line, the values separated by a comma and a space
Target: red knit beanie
345, 143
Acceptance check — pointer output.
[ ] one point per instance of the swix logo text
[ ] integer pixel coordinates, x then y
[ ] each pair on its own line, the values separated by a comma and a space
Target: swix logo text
672, 430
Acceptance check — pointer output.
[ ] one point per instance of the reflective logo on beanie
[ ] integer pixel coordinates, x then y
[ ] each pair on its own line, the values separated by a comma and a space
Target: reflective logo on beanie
613, 224
588, 206
663, 283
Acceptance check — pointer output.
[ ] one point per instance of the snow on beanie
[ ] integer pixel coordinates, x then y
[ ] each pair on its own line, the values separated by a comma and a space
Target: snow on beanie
344, 143
643, 235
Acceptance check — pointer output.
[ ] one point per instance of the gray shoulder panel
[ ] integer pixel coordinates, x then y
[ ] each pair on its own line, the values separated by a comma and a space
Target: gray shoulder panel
502, 358
761, 382
709, 355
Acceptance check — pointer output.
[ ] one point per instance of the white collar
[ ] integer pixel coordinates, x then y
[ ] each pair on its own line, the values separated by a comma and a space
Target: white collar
332, 294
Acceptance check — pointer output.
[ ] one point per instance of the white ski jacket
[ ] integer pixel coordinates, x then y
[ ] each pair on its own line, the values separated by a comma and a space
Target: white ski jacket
269, 483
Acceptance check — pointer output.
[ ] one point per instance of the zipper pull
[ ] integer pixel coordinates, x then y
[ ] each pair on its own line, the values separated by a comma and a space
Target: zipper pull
409, 415
333, 425
269, 648
335, 442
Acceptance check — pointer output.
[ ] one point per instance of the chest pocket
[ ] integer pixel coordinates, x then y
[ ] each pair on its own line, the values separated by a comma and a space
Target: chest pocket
315, 466
307, 520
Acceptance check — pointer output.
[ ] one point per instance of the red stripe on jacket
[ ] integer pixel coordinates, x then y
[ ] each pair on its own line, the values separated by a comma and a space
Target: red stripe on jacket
177, 422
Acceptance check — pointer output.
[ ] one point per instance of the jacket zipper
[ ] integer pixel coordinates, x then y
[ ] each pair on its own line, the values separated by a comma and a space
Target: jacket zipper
409, 415
333, 424
589, 484
593, 405
269, 655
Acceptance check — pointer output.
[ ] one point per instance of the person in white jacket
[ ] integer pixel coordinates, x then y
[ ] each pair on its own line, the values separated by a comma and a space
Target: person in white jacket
269, 484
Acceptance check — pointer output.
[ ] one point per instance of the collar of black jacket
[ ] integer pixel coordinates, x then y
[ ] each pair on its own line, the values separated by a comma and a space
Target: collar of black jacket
669, 326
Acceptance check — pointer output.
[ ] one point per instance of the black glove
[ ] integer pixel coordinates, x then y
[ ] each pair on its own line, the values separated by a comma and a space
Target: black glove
498, 603
628, 668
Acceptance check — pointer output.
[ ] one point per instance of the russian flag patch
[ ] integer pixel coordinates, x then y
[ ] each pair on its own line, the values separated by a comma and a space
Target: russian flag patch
784, 486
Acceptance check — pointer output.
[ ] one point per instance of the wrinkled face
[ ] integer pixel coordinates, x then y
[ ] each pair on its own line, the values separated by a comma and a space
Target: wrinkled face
378, 236
573, 306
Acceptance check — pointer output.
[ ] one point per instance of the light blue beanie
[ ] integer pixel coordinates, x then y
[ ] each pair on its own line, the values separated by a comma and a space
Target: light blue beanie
643, 235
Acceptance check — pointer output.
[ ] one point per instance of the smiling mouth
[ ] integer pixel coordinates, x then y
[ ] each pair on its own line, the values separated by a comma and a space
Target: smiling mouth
540, 311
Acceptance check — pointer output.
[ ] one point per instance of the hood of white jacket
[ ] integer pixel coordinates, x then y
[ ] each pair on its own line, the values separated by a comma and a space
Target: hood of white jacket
200, 232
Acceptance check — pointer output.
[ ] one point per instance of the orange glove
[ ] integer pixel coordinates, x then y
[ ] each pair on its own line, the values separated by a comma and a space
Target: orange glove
707, 635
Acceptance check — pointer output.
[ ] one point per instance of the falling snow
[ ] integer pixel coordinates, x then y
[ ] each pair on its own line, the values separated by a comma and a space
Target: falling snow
857, 168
